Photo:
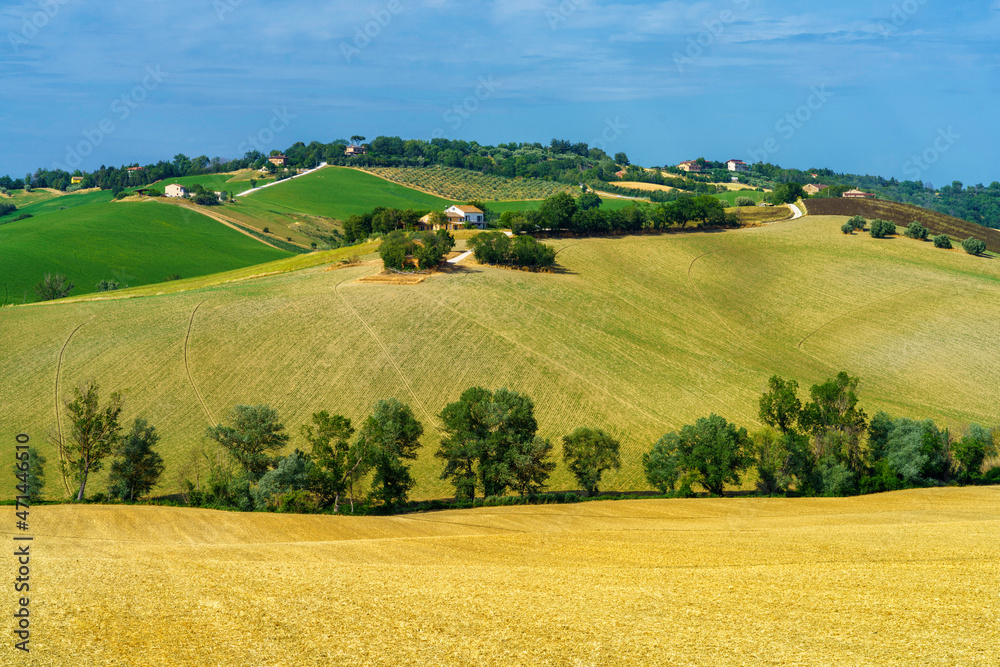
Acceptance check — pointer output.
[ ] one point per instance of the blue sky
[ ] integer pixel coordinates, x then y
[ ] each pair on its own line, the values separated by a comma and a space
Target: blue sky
904, 88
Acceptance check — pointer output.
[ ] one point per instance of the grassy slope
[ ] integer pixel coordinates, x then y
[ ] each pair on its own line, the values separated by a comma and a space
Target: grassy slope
133, 243
898, 579
640, 335
340, 192
213, 182
60, 202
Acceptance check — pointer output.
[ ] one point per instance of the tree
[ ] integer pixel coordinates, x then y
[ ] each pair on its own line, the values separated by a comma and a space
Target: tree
879, 228
587, 201
107, 286
53, 287
971, 452
338, 464
664, 463
783, 460
136, 468
356, 139
29, 469
942, 241
780, 406
715, 452
530, 465
490, 442
255, 431
557, 211
589, 452
916, 231
293, 473
974, 246
786, 193
847, 228
917, 451
94, 433
388, 437
834, 420
857, 222
490, 247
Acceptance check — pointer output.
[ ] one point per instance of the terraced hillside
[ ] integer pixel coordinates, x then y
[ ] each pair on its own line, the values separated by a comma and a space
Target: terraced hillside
636, 335
895, 580
904, 214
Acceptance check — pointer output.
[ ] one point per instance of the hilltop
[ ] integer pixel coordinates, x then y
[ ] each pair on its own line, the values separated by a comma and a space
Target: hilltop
637, 335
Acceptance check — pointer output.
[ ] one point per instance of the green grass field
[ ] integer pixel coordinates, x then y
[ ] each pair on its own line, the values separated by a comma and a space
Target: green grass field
339, 192
638, 335
131, 243
213, 182
48, 204
733, 194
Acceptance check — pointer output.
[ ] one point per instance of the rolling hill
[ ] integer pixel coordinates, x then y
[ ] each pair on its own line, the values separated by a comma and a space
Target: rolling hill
131, 243
893, 579
637, 335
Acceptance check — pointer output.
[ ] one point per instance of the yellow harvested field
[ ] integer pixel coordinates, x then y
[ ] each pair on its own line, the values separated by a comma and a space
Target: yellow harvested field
639, 185
907, 578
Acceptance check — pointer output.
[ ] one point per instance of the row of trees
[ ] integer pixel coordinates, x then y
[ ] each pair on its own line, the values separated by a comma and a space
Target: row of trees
489, 445
825, 445
880, 229
582, 215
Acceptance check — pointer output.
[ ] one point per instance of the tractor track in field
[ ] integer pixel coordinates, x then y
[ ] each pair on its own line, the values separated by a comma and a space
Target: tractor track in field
59, 431
550, 360
385, 350
187, 366
851, 312
701, 296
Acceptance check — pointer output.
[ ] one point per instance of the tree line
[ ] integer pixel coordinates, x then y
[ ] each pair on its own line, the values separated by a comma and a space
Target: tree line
880, 229
825, 445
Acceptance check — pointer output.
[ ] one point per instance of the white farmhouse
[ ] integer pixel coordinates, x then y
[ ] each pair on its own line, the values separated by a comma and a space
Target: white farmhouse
466, 214
175, 190
737, 165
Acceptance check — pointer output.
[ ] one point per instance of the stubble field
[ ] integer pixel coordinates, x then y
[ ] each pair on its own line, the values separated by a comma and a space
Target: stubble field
907, 578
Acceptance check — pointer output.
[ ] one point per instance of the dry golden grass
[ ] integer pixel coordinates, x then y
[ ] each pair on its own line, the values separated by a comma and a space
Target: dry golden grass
639, 185
760, 214
393, 279
897, 579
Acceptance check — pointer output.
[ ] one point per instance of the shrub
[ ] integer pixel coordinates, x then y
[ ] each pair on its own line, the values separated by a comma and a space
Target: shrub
847, 228
107, 286
971, 451
879, 228
121, 195
942, 241
916, 231
745, 201
833, 478
857, 222
7, 208
292, 474
23, 216
917, 451
973, 246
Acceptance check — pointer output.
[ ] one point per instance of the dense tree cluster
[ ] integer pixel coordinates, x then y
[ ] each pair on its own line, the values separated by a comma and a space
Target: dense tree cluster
427, 248
521, 251
583, 215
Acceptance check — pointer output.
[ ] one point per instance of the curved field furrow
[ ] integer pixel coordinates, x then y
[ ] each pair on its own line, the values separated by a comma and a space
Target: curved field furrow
187, 367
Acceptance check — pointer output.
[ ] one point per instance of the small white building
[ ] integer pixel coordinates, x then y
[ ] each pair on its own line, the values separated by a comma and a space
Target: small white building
175, 190
737, 165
